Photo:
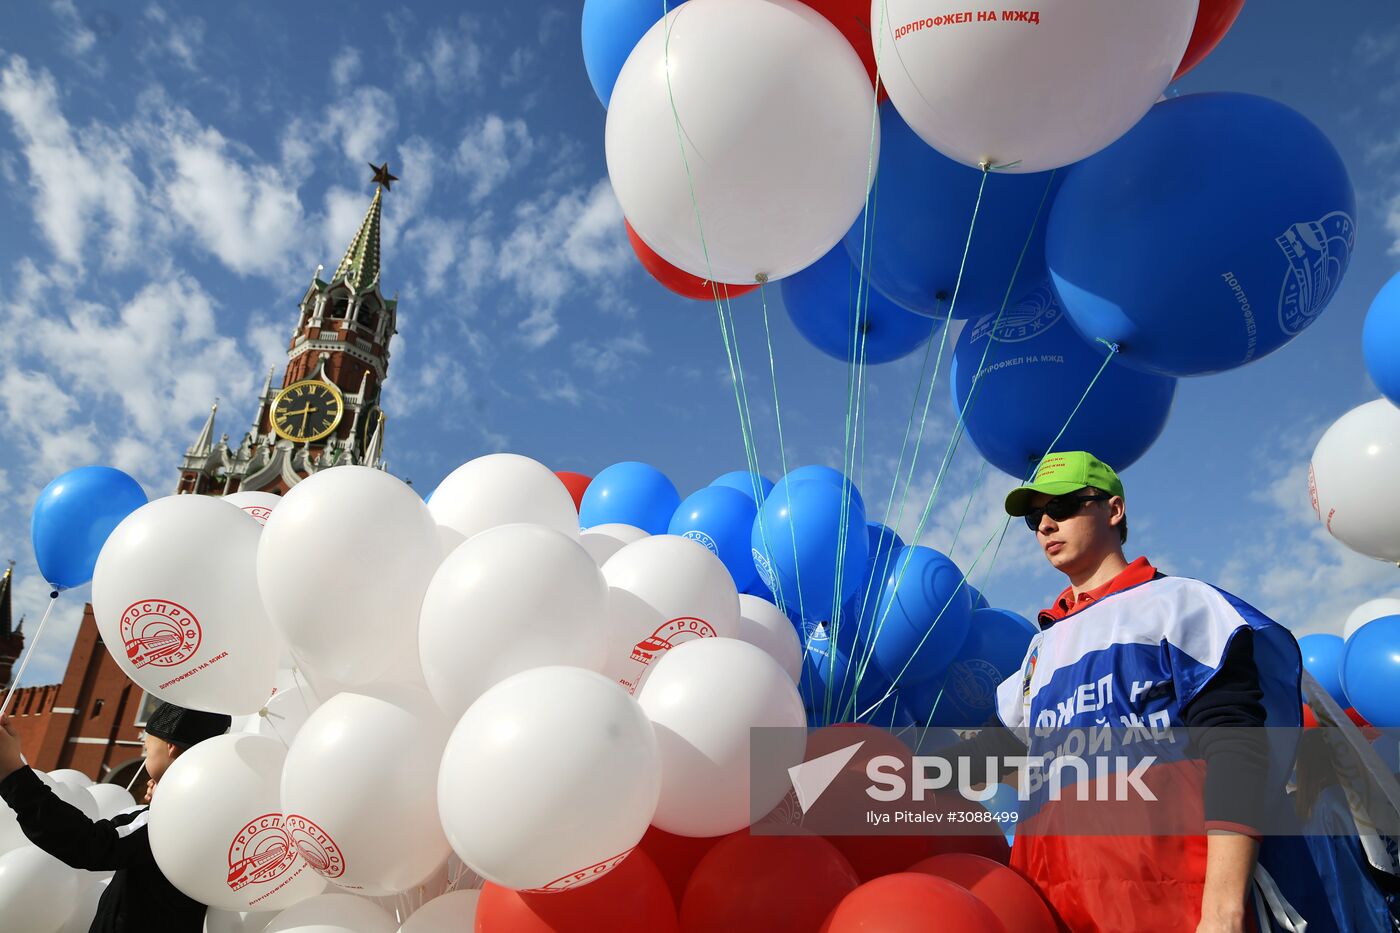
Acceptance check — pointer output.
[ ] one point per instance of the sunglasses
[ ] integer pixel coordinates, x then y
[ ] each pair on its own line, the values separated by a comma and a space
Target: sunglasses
1060, 508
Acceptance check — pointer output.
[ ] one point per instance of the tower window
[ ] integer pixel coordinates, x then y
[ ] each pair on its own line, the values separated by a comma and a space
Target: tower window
339, 307
96, 708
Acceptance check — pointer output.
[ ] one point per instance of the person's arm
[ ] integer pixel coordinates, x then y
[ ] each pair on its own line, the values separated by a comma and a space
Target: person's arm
994, 741
61, 829
1226, 718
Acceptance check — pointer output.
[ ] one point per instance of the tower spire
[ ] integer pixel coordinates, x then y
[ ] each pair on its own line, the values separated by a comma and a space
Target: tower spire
360, 267
375, 448
205, 443
5, 610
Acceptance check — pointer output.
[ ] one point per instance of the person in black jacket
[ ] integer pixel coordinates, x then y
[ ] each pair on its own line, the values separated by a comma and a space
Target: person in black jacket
139, 897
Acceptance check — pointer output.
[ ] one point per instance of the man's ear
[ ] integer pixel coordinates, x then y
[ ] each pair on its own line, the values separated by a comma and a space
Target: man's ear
175, 750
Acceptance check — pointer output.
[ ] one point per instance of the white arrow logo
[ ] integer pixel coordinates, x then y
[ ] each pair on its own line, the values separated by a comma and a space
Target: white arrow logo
811, 778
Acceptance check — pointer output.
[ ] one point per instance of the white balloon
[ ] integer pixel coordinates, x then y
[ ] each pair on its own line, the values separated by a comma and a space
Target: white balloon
358, 789
452, 912
763, 624
603, 541
449, 538
285, 714
664, 590
38, 893
72, 777
510, 598
233, 921
334, 913
979, 85
1369, 611
11, 836
111, 799
257, 505
79, 797
780, 134
175, 594
549, 780
342, 567
503, 489
1352, 480
217, 830
702, 699
90, 890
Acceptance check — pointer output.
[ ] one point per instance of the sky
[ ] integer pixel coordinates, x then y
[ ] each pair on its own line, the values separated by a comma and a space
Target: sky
173, 174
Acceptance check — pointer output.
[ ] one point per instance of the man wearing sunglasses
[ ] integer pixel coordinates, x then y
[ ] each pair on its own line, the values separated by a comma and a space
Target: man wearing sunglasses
1126, 645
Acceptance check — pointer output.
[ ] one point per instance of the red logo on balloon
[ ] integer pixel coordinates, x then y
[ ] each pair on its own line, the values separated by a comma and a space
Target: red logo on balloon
261, 851
258, 512
584, 875
674, 632
159, 633
316, 846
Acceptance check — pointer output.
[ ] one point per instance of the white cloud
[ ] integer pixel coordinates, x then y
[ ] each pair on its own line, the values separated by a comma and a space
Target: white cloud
450, 63
78, 39
436, 243
362, 122
247, 215
610, 359
345, 67
179, 36
560, 245
490, 151
83, 183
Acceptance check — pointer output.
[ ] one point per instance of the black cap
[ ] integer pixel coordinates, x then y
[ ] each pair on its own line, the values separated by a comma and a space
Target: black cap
185, 727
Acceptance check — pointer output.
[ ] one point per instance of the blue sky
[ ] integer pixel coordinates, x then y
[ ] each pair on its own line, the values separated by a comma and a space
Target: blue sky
172, 175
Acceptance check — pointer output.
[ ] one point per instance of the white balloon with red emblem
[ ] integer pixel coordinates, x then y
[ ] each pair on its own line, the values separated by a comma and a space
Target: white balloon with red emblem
38, 893
763, 624
702, 699
334, 913
256, 505
770, 144
1352, 480
503, 489
359, 789
447, 913
664, 590
342, 568
175, 594
508, 599
217, 831
1028, 89
549, 779
603, 541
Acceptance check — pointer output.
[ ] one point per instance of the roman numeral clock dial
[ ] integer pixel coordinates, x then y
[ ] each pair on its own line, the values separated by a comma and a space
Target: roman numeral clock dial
307, 411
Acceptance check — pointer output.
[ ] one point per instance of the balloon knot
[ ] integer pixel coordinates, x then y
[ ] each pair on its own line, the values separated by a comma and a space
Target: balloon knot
263, 712
53, 594
761, 278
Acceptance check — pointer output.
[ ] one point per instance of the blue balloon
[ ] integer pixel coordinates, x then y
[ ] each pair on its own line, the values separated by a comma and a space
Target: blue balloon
920, 213
742, 480
1380, 340
978, 600
798, 534
1208, 236
630, 493
993, 650
827, 475
1322, 658
858, 614
1035, 371
611, 30
73, 517
1371, 669
721, 519
1004, 800
923, 617
827, 300
829, 687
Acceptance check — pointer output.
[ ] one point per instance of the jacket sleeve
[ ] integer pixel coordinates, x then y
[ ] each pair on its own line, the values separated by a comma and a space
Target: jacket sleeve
64, 832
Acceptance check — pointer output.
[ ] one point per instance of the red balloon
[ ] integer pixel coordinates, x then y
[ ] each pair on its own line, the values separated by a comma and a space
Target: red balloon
1309, 720
576, 483
852, 17
1017, 904
676, 857
678, 280
1213, 20
765, 884
633, 896
912, 902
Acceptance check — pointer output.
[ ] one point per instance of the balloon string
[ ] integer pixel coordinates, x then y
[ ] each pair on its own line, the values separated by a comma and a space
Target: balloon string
960, 425
139, 768
1113, 349
29, 655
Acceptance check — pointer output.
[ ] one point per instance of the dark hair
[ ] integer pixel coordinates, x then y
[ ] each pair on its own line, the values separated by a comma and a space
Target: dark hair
1123, 525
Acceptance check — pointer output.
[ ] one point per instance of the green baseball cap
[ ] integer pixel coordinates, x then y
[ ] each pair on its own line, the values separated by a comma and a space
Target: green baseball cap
1062, 473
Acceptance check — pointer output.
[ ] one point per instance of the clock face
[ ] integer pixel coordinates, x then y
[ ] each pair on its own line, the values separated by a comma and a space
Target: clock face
307, 410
